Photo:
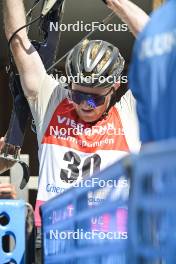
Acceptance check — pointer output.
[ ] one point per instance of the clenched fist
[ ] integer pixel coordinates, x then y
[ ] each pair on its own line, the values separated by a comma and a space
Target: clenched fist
130, 14
4, 164
117, 6
7, 191
2, 143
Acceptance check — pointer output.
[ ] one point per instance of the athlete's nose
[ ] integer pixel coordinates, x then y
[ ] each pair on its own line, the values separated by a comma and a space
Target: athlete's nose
86, 106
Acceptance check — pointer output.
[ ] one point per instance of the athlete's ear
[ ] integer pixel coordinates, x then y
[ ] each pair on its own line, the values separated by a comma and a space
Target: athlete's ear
116, 85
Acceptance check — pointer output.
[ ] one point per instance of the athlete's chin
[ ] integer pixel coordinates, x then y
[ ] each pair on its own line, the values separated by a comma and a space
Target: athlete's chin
88, 116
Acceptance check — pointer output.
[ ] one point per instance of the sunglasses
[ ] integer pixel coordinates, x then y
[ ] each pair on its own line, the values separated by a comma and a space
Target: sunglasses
93, 100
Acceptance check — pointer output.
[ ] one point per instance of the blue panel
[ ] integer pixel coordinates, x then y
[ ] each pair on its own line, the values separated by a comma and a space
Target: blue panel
152, 205
100, 224
15, 211
151, 214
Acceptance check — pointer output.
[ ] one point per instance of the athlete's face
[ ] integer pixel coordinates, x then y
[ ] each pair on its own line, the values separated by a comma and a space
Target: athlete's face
85, 111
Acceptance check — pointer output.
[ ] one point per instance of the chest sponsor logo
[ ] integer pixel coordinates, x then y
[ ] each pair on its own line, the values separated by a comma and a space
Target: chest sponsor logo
69, 131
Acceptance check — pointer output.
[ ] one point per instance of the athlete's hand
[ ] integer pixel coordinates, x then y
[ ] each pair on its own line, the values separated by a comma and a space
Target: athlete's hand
129, 13
5, 164
11, 148
7, 191
2, 142
117, 6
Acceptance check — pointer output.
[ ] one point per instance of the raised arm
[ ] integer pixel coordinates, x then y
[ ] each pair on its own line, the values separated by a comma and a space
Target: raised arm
29, 64
129, 13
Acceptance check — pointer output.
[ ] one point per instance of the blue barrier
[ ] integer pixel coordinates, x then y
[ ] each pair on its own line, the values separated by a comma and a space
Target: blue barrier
14, 212
79, 213
152, 206
151, 214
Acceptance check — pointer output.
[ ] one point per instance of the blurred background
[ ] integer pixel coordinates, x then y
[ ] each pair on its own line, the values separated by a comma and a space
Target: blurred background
75, 10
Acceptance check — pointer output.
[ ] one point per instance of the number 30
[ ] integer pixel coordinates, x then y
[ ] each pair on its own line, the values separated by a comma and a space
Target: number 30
93, 162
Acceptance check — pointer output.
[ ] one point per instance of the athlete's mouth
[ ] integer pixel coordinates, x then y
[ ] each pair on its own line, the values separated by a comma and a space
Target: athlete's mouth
87, 110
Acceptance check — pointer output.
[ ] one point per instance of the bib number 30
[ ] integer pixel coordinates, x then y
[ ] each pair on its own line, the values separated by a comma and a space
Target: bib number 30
75, 166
